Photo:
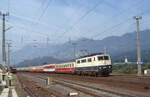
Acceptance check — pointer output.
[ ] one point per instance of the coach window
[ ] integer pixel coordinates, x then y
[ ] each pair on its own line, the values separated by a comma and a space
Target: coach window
78, 61
71, 65
89, 60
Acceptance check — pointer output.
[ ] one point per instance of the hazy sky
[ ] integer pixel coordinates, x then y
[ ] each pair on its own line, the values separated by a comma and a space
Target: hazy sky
60, 20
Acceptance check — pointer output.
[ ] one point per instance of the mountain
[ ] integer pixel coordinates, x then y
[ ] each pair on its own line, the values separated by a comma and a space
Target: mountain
38, 61
117, 46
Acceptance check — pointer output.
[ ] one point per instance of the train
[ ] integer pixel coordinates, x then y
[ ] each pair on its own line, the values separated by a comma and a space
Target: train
13, 70
97, 64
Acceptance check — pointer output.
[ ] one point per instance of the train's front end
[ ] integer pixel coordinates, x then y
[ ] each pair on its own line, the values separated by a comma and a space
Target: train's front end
104, 64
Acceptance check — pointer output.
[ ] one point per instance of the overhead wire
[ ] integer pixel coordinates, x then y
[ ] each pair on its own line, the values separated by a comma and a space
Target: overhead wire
42, 14
124, 21
119, 23
47, 6
118, 14
21, 27
82, 17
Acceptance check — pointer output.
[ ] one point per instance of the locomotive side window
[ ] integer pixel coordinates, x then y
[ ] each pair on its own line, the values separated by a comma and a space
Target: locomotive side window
94, 59
89, 60
78, 61
83, 61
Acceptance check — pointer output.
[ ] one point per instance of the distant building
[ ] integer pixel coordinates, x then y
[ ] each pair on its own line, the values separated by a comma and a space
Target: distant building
147, 72
126, 60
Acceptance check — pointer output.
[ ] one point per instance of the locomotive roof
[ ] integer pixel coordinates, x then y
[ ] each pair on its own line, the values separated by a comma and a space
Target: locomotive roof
91, 55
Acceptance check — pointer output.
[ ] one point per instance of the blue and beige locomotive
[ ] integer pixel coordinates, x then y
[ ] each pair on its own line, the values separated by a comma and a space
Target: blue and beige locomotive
94, 64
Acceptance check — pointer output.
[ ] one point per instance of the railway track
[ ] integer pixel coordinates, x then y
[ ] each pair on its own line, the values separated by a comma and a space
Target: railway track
77, 83
93, 91
35, 89
140, 82
136, 86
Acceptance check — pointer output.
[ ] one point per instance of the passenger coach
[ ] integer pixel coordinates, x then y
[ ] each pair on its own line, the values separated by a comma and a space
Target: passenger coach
68, 67
49, 68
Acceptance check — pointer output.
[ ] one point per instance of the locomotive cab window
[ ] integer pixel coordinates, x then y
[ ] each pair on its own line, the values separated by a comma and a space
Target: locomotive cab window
100, 58
103, 58
106, 58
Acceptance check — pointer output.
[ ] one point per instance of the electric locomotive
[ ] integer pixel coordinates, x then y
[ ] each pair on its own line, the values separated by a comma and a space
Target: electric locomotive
94, 64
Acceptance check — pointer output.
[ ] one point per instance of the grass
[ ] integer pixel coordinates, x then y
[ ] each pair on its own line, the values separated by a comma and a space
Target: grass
1, 89
128, 68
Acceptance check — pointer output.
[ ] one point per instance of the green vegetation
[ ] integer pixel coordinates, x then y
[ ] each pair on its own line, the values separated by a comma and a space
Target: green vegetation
122, 68
1, 88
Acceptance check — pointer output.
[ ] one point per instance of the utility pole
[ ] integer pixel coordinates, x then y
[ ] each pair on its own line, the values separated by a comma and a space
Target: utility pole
39, 60
104, 50
56, 58
22, 39
3, 38
47, 39
8, 55
84, 52
74, 49
139, 62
